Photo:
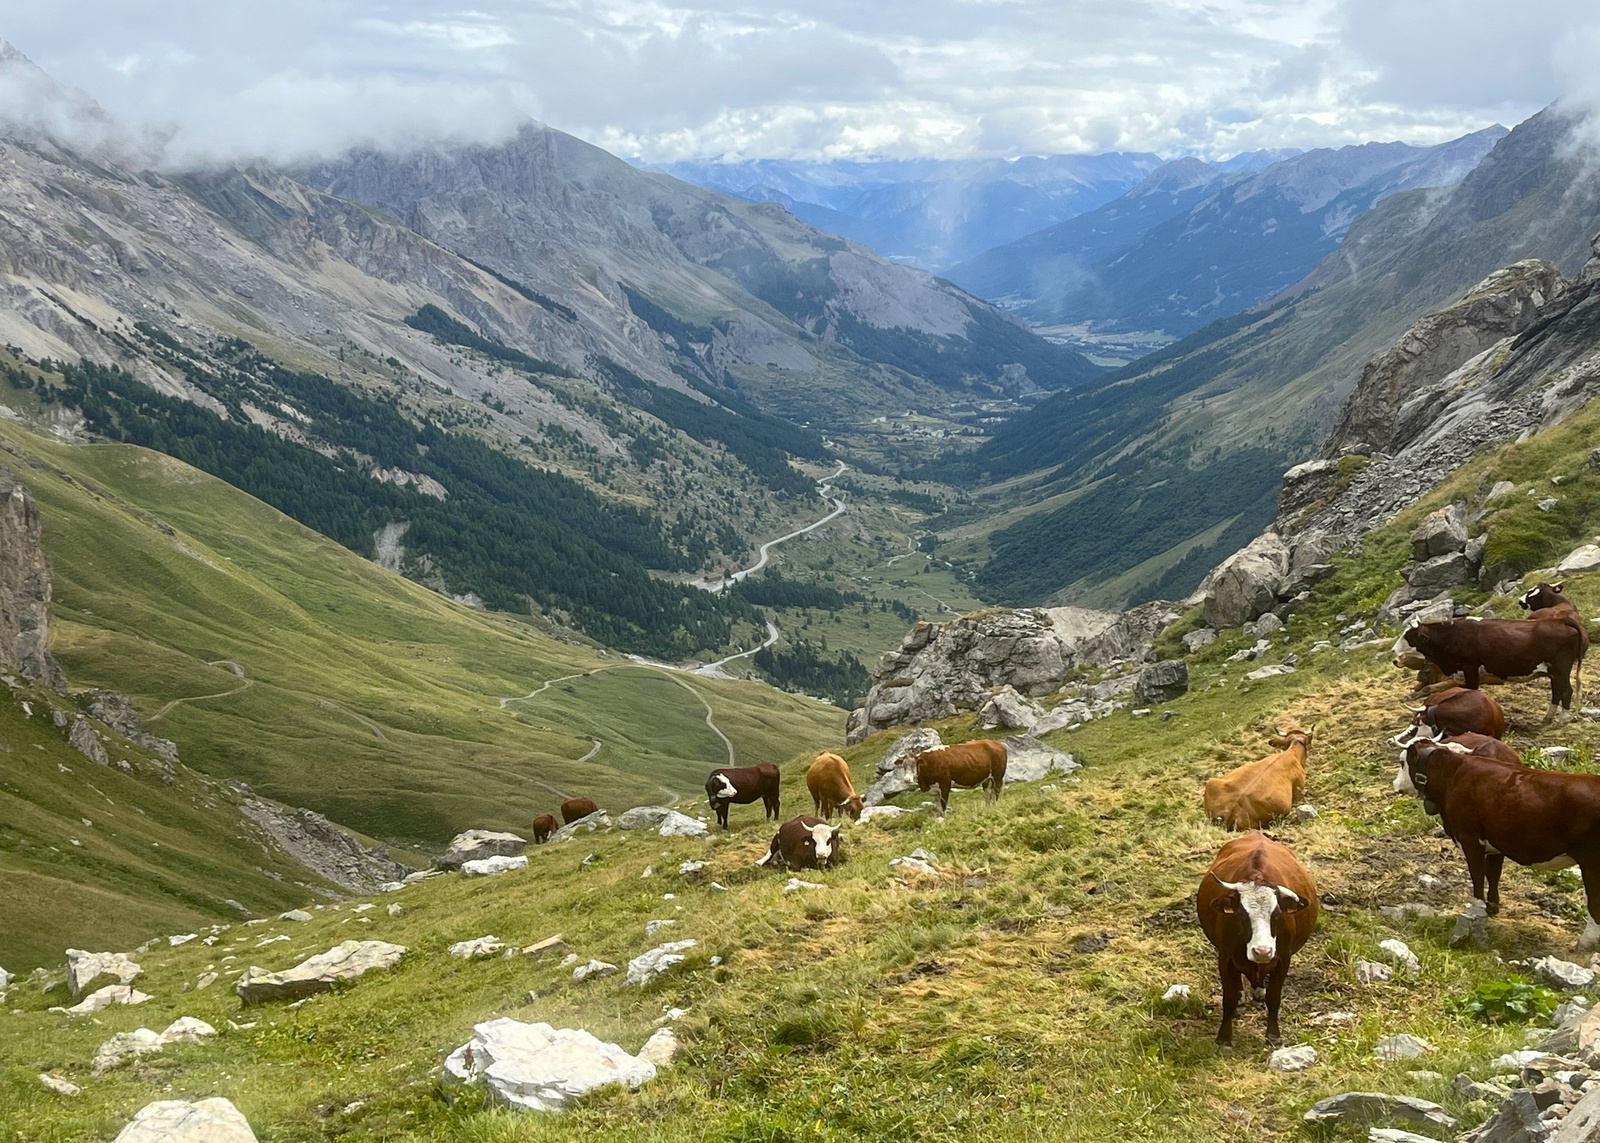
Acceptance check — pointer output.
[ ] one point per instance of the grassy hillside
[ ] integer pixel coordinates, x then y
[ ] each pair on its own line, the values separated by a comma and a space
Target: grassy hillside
978, 1005
272, 655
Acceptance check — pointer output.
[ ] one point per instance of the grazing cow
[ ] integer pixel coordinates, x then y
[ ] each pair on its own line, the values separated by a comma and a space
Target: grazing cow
543, 826
1539, 818
1507, 648
574, 808
1257, 905
743, 785
1250, 796
831, 788
1455, 711
981, 762
804, 842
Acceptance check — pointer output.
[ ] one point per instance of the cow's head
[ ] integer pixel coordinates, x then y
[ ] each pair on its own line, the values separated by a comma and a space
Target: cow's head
720, 786
1263, 907
927, 779
1542, 596
853, 806
823, 844
1283, 739
1413, 775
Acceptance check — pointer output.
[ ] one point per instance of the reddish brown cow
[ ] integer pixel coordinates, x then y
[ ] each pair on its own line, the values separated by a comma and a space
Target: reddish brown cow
1257, 905
1539, 818
831, 788
1250, 796
804, 842
1480, 746
574, 808
1455, 711
981, 762
1507, 648
1546, 601
543, 826
742, 785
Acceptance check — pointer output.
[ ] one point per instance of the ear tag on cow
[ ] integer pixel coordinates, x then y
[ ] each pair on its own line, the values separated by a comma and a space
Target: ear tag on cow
1225, 905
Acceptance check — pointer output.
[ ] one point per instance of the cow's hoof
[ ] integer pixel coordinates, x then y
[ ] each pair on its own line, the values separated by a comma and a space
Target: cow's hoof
1492, 908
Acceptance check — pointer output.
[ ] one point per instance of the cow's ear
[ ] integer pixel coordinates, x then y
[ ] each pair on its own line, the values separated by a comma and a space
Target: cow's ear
1227, 903
1555, 587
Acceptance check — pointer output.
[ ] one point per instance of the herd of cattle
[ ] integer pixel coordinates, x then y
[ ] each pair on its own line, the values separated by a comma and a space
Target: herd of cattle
1257, 903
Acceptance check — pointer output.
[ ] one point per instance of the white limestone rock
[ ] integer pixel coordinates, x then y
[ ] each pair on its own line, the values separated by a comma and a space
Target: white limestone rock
1010, 710
213, 1120
295, 915
490, 866
345, 961
795, 885
588, 824
84, 968
181, 939
1029, 760
643, 817
123, 1047
59, 1085
186, 1030
479, 845
651, 965
1404, 1046
1268, 672
1403, 956
595, 968
1581, 559
477, 948
1560, 973
536, 1067
1176, 992
661, 1048
1295, 1059
1371, 972
102, 998
681, 825
883, 813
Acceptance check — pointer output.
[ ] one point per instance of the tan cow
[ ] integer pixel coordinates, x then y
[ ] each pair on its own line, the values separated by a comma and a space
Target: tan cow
1253, 794
981, 762
831, 788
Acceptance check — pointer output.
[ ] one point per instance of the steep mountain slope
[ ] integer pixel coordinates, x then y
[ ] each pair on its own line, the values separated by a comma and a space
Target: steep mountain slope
1224, 246
929, 212
1201, 424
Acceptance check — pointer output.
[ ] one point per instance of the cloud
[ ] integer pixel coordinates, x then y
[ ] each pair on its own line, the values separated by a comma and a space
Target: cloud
814, 78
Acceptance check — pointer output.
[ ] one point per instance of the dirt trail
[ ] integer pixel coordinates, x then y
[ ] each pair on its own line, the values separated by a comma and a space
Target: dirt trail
229, 663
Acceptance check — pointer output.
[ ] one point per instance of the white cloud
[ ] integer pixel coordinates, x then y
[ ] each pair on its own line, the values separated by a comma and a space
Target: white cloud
816, 78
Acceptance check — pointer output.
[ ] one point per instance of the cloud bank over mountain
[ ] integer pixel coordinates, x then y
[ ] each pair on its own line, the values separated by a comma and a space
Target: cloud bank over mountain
819, 79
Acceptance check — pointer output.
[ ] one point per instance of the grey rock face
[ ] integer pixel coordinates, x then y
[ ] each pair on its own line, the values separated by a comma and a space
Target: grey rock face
642, 817
1008, 709
1203, 637
1247, 583
1163, 682
895, 774
940, 669
86, 742
1440, 533
1515, 1121
24, 588
1472, 927
323, 847
84, 968
344, 961
1029, 760
588, 824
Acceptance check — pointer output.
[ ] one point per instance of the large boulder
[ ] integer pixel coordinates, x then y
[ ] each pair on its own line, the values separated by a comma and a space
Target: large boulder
84, 968
213, 1120
102, 998
490, 866
940, 669
319, 973
1440, 533
1247, 583
643, 817
24, 588
1162, 682
1441, 573
477, 844
895, 773
540, 1068
1010, 710
1029, 760
588, 824
681, 825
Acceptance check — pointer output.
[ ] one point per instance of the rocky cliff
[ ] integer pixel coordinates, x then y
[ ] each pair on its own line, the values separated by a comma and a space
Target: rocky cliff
24, 588
940, 668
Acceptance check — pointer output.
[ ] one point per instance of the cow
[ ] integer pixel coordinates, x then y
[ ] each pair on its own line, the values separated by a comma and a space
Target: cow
1507, 648
1546, 601
1539, 818
1478, 745
1250, 796
543, 826
743, 785
1257, 907
831, 788
574, 808
1455, 711
981, 762
804, 842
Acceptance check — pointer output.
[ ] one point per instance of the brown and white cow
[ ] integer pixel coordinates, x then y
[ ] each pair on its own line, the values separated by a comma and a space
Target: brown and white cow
1455, 711
804, 842
574, 808
1507, 648
831, 788
1547, 601
1257, 906
1250, 796
1478, 745
981, 762
1539, 818
543, 826
741, 785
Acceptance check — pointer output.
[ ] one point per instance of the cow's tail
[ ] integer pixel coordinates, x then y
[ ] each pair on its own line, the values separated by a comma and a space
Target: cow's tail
1577, 673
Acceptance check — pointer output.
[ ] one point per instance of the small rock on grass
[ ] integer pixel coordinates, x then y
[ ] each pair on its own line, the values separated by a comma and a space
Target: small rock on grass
1395, 1135
1404, 1046
1472, 927
213, 1120
1179, 992
595, 968
1371, 972
1403, 956
1365, 1106
57, 1084
1295, 1059
661, 1048
1560, 973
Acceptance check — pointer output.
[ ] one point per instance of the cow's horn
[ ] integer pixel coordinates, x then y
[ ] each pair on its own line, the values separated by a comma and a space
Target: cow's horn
1231, 886
1417, 709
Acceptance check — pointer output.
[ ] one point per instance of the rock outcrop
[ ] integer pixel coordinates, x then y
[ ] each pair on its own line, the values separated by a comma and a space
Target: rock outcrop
1248, 583
323, 847
940, 668
24, 588
536, 1067
213, 1120
477, 844
84, 968
319, 973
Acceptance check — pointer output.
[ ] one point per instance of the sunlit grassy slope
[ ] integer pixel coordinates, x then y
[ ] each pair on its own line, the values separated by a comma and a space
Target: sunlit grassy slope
272, 655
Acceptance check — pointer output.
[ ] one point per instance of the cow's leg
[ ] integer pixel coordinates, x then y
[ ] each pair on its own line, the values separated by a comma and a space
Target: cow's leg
944, 796
1472, 849
722, 813
1493, 864
1469, 676
1280, 972
770, 802
1590, 867
1232, 987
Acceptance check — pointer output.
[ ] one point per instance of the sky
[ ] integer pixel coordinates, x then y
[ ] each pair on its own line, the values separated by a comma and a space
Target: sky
813, 79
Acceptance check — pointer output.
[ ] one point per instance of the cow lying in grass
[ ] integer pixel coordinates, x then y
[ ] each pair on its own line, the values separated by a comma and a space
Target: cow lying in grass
1250, 796
804, 842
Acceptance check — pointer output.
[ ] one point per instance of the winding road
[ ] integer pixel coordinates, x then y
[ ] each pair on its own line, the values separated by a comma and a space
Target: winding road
823, 489
229, 663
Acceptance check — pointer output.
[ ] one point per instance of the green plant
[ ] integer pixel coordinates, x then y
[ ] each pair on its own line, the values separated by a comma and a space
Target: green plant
1513, 1000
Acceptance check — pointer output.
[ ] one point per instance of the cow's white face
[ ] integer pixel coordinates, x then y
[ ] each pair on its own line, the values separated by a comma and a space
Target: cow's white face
1402, 780
1525, 600
1259, 902
822, 842
727, 790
